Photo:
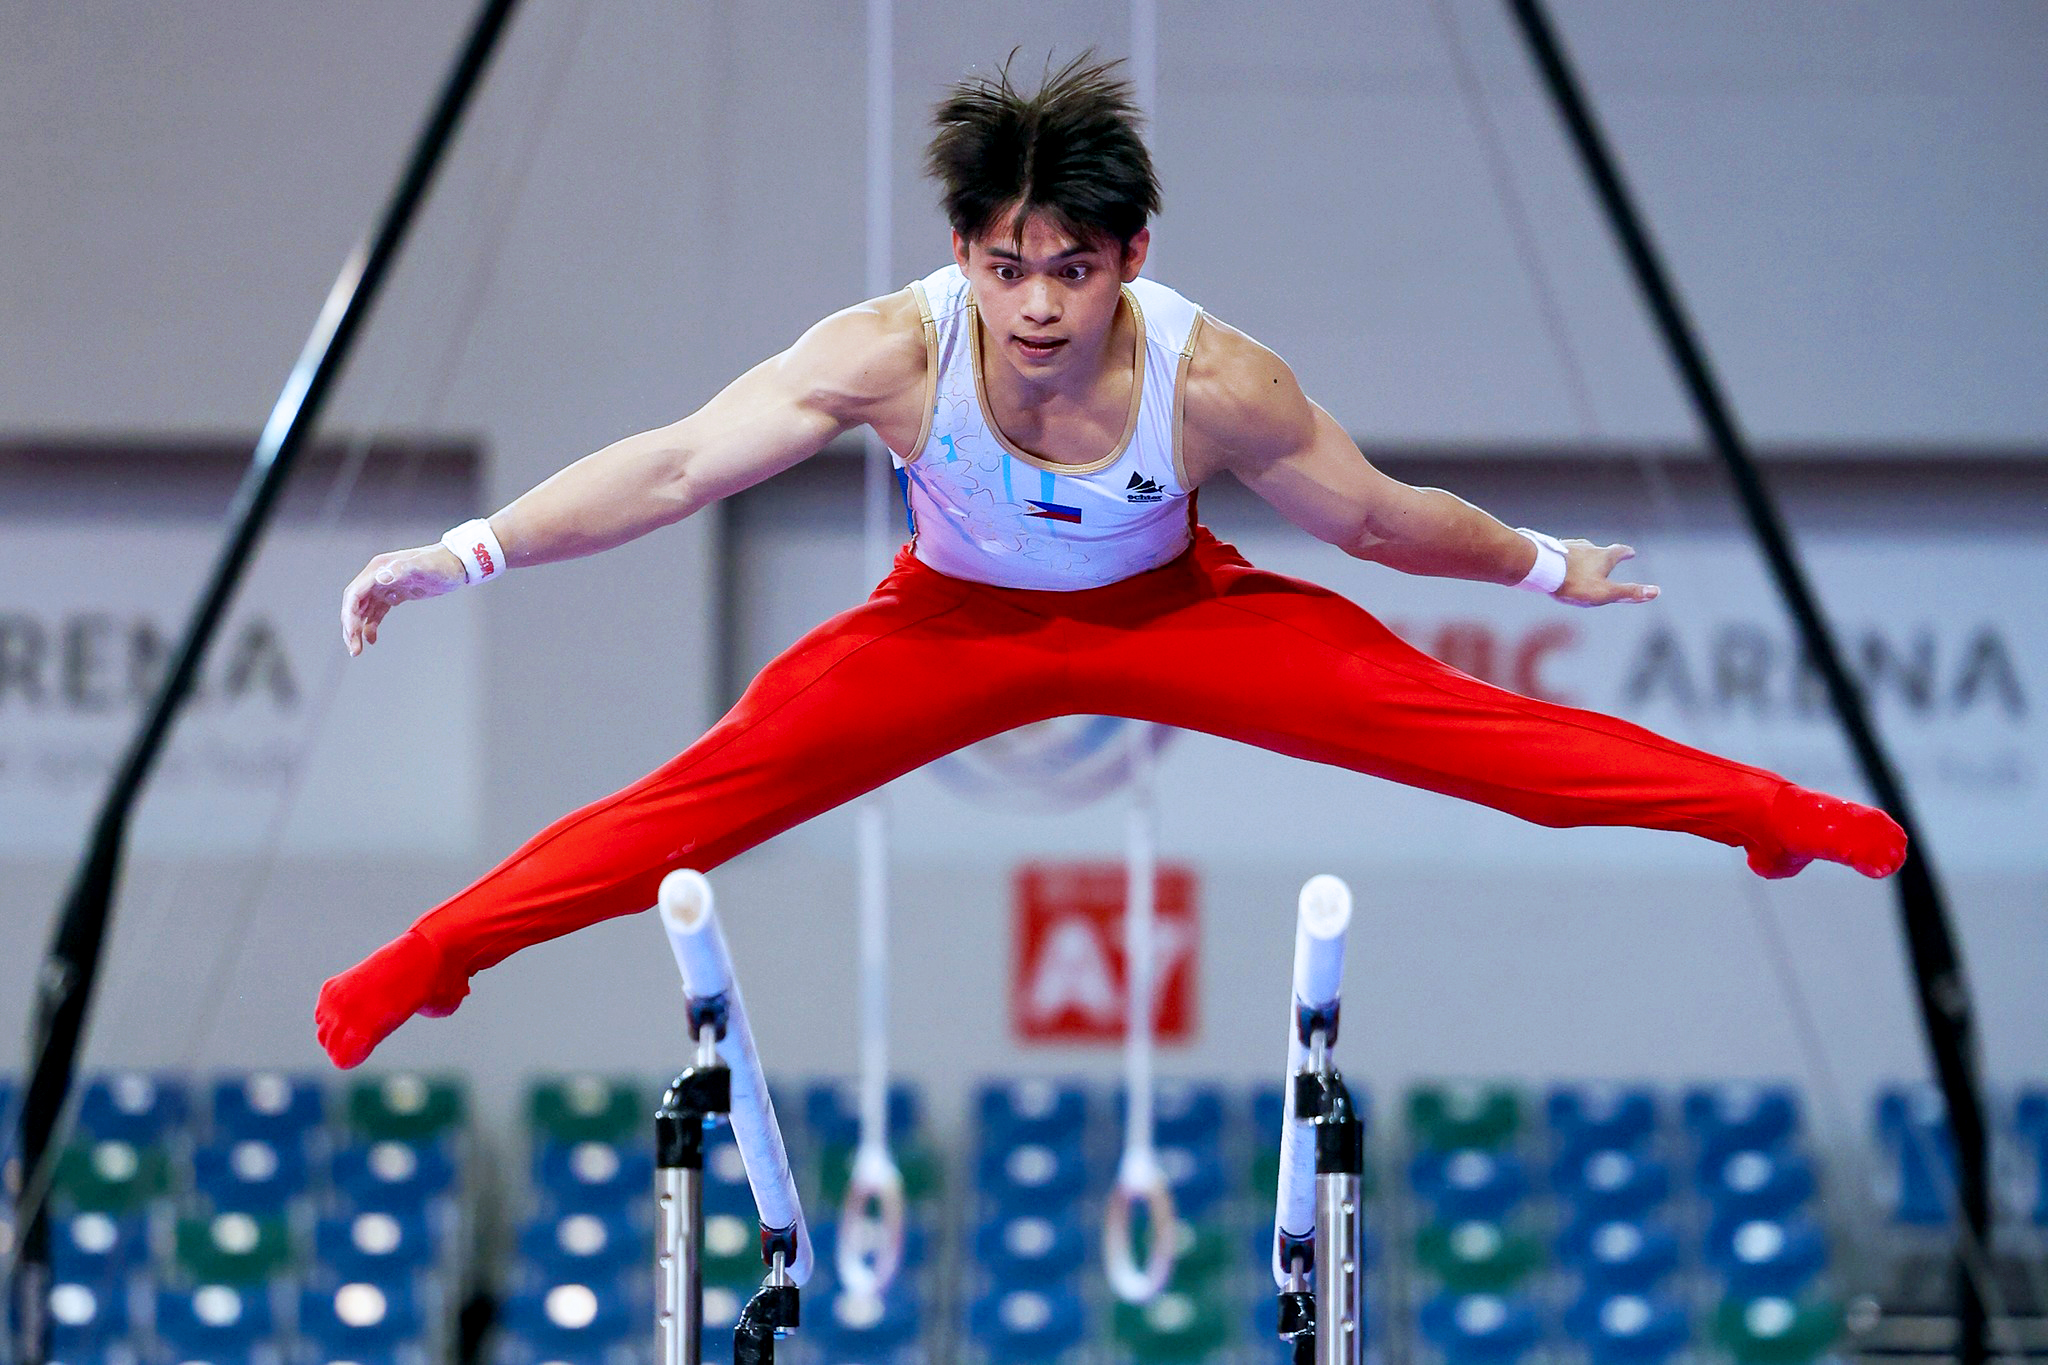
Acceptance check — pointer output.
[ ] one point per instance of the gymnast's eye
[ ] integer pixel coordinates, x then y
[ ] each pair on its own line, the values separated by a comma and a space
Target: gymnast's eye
1008, 272
1077, 273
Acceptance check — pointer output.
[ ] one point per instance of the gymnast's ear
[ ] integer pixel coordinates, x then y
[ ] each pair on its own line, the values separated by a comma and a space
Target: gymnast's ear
1134, 253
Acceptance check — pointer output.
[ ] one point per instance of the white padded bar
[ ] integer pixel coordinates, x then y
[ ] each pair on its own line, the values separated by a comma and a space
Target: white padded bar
1323, 914
689, 916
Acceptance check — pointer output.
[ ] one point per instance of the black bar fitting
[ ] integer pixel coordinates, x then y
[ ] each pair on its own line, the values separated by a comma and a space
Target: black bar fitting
692, 1099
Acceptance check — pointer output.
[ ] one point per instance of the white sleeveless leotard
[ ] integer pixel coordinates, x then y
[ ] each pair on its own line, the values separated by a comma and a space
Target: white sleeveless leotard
982, 509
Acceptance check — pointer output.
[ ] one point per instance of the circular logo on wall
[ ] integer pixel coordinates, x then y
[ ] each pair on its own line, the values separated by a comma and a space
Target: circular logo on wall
1053, 765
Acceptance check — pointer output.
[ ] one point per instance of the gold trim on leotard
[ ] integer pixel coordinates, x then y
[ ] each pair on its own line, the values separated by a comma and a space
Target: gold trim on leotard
1180, 397
931, 370
1130, 421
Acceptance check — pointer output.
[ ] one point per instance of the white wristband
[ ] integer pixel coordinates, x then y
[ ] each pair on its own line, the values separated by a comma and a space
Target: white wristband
477, 547
1547, 574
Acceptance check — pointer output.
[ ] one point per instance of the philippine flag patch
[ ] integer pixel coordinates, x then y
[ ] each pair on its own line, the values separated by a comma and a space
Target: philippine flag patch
1055, 511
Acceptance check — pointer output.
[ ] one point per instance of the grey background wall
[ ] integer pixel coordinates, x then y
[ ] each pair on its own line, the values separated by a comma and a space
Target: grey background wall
652, 196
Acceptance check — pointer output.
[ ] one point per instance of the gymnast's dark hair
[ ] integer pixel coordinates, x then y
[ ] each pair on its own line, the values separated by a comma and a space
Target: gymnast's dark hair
1070, 151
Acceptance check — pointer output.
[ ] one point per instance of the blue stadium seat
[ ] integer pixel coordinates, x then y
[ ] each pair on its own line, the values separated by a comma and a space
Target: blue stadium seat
1764, 1257
95, 1248
916, 1242
1584, 1117
1755, 1183
1628, 1329
1469, 1183
1197, 1177
375, 1245
1610, 1182
1184, 1113
86, 1318
1032, 1176
2034, 1154
1736, 1115
211, 1322
725, 1177
584, 1247
574, 1320
269, 1106
1619, 1256
844, 1327
394, 1176
1012, 1113
251, 1176
1026, 1325
360, 1316
2029, 1111
134, 1107
1912, 1127
1269, 1111
592, 1176
832, 1112
1026, 1248
1482, 1329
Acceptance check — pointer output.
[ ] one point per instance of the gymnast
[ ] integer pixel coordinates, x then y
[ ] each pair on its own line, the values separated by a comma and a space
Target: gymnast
1052, 414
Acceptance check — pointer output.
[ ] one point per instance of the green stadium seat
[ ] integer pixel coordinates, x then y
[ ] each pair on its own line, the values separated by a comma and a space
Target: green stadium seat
1205, 1251
919, 1165
407, 1107
1443, 1117
232, 1248
1773, 1331
1177, 1326
1477, 1257
732, 1251
113, 1177
589, 1109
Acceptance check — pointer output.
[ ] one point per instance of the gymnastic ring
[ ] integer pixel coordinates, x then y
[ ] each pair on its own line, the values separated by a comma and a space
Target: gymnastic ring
1139, 1180
869, 1249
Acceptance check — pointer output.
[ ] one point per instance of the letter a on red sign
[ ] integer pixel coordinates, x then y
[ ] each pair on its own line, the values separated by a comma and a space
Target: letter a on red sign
1067, 972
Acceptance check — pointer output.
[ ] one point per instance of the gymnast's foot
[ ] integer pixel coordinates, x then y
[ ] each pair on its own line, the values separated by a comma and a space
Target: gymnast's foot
359, 1008
1809, 824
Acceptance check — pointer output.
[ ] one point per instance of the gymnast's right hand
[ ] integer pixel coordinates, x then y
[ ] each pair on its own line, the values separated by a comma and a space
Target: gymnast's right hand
360, 1008
387, 580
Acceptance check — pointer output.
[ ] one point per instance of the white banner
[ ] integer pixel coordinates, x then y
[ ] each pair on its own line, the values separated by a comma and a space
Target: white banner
287, 740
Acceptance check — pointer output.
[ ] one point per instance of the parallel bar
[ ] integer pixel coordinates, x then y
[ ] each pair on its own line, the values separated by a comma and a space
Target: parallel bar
1944, 993
687, 914
1322, 918
64, 989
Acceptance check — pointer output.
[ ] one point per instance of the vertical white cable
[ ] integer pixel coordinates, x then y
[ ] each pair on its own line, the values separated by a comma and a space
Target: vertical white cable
1145, 57
874, 974
1145, 75
871, 1224
1140, 955
880, 481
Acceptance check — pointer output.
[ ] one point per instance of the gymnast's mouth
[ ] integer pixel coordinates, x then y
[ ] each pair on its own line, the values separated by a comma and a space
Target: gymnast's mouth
1039, 346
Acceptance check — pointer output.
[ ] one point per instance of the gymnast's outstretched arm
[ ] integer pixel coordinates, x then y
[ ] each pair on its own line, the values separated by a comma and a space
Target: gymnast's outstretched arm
863, 365
1245, 413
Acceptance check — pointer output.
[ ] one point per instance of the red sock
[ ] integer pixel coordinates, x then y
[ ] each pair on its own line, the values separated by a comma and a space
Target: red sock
359, 1008
1811, 824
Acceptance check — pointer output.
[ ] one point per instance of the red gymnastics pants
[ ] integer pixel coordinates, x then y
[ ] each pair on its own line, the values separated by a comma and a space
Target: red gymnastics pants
929, 664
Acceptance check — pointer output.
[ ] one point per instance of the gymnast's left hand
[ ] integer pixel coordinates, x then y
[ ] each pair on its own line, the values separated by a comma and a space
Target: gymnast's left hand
387, 580
1586, 576
365, 1004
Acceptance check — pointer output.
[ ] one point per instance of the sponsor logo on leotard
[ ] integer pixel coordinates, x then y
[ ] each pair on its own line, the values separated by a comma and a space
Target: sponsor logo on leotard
1054, 511
1142, 489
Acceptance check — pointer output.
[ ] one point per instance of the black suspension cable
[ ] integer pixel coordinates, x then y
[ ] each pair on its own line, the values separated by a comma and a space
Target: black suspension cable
1944, 994
64, 987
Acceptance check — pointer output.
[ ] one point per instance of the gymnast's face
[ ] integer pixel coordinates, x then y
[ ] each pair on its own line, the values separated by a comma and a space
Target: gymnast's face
1047, 300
